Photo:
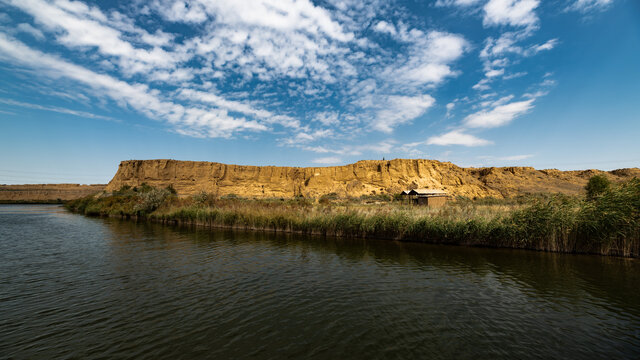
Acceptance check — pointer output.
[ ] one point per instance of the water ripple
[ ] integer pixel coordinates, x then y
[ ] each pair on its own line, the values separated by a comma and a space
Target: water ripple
75, 287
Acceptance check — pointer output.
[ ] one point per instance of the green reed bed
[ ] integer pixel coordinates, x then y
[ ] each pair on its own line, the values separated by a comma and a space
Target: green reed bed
606, 223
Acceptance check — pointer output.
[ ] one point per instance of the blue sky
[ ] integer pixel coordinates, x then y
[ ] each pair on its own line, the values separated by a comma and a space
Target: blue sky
86, 84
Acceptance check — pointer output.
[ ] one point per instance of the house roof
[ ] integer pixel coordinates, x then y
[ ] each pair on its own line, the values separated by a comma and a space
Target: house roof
426, 192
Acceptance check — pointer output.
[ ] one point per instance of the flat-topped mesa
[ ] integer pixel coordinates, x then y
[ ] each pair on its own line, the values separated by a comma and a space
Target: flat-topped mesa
366, 177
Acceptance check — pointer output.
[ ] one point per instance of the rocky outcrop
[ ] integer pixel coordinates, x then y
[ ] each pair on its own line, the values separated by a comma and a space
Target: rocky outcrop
365, 177
46, 192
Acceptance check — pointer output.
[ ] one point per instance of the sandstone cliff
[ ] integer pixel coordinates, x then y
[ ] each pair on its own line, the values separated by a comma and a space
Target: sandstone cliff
365, 177
46, 192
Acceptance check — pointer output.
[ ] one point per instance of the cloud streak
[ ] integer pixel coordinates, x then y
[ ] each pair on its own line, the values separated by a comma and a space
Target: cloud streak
192, 121
57, 109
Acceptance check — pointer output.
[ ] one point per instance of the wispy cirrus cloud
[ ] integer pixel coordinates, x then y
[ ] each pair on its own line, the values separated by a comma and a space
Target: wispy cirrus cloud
461, 3
589, 5
78, 113
26, 28
79, 26
192, 121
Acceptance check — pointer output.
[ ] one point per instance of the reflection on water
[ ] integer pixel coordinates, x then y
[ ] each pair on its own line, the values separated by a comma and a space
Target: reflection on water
72, 286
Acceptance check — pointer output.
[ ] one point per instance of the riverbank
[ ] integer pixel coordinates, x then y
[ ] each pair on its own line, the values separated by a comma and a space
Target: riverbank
608, 224
45, 193
31, 202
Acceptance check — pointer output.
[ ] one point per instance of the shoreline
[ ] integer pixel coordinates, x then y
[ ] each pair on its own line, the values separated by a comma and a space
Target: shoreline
324, 235
500, 232
606, 226
33, 202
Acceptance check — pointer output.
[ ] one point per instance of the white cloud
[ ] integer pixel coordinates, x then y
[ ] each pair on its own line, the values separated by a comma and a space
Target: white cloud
281, 15
312, 52
26, 28
493, 159
507, 44
494, 72
517, 157
500, 115
308, 136
192, 121
515, 75
412, 150
503, 45
450, 106
327, 118
497, 52
482, 85
461, 3
511, 12
229, 72
400, 110
588, 5
547, 46
457, 137
381, 147
429, 58
327, 160
385, 27
237, 106
57, 109
534, 49
79, 26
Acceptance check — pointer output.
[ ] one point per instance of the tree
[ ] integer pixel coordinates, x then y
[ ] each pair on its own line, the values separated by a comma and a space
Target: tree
597, 185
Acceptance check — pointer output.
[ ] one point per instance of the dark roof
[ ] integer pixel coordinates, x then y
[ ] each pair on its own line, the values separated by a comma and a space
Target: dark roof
427, 192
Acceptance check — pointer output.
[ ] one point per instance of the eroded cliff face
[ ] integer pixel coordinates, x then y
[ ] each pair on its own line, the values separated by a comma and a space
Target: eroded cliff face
365, 177
46, 192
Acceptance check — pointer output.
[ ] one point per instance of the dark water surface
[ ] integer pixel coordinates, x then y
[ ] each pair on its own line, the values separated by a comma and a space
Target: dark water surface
77, 287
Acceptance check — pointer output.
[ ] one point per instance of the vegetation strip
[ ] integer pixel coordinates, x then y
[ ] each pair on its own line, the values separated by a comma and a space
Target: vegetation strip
606, 221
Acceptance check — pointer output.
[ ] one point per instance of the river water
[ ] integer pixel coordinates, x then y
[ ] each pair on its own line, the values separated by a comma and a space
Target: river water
78, 287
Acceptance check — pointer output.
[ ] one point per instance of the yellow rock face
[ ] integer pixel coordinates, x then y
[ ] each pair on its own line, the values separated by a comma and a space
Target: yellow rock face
365, 177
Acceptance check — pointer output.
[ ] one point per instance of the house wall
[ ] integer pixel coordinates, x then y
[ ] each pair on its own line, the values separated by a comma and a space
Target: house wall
436, 201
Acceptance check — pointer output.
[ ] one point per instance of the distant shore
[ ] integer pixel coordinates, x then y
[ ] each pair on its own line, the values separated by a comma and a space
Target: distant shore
607, 224
32, 202
45, 193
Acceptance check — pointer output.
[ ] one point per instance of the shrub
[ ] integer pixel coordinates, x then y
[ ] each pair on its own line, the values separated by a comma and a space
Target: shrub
200, 198
144, 187
597, 185
151, 200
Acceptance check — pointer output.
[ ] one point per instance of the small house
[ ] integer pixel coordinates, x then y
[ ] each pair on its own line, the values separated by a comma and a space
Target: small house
429, 197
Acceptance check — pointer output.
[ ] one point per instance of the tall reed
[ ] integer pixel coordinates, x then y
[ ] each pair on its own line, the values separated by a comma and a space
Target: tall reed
608, 224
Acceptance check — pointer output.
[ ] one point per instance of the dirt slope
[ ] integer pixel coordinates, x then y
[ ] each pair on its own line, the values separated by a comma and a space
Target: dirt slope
46, 192
362, 178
